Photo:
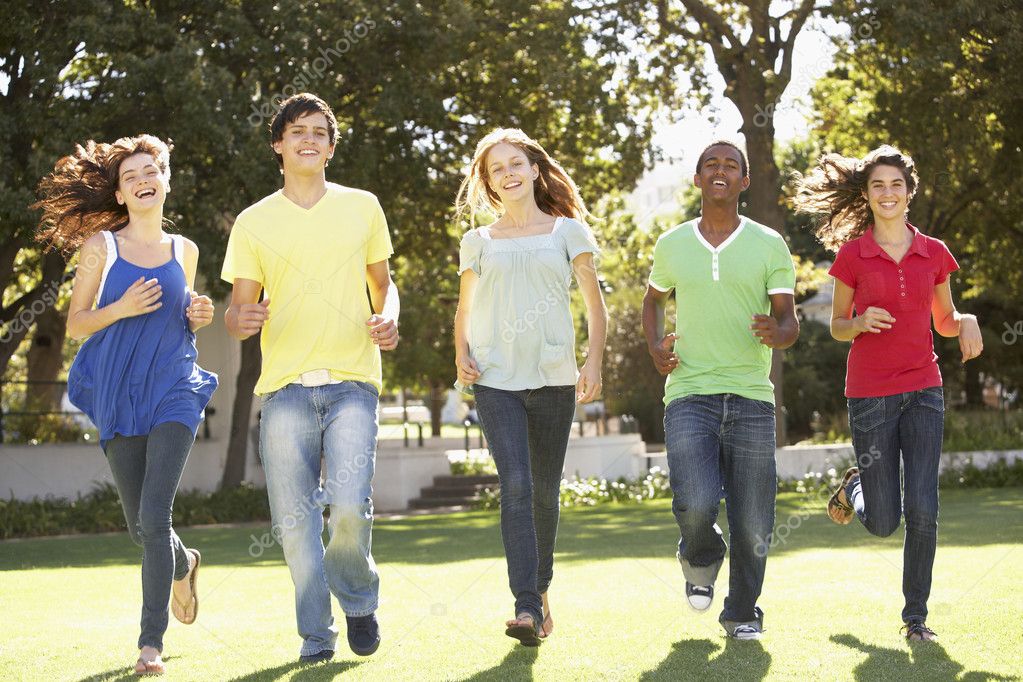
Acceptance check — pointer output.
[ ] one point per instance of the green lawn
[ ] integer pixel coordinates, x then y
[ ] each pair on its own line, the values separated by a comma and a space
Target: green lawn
832, 598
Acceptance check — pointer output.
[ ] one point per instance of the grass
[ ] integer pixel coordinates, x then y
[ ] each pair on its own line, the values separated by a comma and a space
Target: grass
832, 598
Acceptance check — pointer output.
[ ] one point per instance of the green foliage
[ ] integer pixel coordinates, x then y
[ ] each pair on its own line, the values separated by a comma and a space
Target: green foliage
476, 464
814, 378
44, 428
100, 511
973, 430
998, 474
587, 492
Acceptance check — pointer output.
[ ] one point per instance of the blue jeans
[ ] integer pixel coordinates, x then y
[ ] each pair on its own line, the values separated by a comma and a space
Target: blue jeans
147, 470
911, 424
723, 444
299, 423
528, 435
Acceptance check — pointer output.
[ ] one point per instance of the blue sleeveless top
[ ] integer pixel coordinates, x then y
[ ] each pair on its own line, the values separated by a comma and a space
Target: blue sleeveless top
141, 371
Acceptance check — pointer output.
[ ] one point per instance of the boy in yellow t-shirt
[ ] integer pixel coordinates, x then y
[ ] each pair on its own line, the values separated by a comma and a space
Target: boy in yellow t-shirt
320, 252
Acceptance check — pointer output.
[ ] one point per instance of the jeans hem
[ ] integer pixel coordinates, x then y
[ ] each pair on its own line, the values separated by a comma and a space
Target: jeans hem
317, 648
700, 575
361, 613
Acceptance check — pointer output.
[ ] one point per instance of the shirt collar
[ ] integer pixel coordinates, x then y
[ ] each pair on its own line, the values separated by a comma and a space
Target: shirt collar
869, 247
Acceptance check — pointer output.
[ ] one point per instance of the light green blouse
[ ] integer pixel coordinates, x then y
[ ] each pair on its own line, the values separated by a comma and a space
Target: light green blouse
521, 332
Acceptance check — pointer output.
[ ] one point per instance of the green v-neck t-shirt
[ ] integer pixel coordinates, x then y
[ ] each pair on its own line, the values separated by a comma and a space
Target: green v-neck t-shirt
718, 290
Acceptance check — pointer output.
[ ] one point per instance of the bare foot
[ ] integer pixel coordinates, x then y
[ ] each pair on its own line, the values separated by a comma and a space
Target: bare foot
547, 627
149, 662
181, 603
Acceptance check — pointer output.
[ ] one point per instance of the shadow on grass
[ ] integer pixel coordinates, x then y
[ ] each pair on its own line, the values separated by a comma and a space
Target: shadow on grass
690, 659
306, 671
969, 518
517, 665
929, 661
121, 673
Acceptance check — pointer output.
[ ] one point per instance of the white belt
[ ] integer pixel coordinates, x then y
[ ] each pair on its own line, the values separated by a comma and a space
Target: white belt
316, 377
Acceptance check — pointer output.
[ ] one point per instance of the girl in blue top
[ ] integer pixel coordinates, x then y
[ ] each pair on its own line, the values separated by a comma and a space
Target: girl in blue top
515, 346
136, 376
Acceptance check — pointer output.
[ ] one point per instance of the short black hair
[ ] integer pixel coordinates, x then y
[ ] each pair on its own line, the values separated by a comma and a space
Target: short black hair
294, 108
743, 164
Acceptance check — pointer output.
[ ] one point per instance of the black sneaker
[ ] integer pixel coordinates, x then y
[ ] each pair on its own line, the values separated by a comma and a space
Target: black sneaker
744, 630
318, 657
363, 634
699, 596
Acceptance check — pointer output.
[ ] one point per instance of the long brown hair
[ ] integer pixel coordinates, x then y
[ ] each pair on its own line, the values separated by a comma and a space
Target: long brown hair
554, 191
78, 197
835, 191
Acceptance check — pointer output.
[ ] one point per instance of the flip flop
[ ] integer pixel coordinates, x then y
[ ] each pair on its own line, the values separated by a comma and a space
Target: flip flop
179, 609
526, 634
545, 630
841, 512
147, 668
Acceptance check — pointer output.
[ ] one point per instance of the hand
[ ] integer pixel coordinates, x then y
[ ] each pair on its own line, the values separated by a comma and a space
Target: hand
589, 385
467, 370
665, 359
199, 312
873, 320
383, 332
971, 343
252, 316
141, 298
765, 328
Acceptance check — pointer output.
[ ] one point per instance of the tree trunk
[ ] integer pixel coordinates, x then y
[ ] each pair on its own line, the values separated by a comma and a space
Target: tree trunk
237, 444
45, 360
973, 386
436, 406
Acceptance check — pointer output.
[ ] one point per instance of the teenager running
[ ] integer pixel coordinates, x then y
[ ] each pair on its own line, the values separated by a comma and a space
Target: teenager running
136, 375
515, 346
896, 279
320, 252
734, 282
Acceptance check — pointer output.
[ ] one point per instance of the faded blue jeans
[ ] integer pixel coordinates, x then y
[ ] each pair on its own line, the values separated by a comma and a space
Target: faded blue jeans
297, 425
723, 445
147, 470
527, 432
911, 425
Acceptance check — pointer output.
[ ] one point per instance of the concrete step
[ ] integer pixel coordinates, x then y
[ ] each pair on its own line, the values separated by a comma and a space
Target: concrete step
434, 502
458, 481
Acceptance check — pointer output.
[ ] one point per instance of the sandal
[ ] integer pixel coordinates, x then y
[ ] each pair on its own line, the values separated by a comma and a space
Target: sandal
917, 631
181, 610
146, 668
838, 511
526, 634
546, 628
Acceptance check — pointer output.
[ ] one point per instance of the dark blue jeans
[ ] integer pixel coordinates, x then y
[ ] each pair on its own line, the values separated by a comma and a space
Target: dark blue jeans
910, 424
147, 470
718, 445
528, 435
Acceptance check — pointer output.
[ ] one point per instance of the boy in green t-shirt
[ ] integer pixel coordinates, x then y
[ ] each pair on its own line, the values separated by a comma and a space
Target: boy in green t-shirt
316, 248
734, 283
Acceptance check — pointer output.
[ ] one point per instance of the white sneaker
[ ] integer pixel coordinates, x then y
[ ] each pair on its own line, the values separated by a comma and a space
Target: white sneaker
699, 596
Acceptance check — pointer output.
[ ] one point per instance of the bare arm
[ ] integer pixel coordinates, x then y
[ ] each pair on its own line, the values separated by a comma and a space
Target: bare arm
596, 324
660, 345
383, 324
200, 309
844, 327
246, 315
950, 322
466, 368
142, 297
780, 329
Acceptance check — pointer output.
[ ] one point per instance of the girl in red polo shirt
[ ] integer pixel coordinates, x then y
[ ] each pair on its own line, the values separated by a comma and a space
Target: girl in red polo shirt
896, 280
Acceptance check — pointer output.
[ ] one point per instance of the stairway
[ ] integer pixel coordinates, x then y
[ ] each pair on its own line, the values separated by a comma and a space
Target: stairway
452, 491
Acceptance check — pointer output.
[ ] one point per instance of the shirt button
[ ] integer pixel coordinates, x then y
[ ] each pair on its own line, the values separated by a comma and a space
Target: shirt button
903, 293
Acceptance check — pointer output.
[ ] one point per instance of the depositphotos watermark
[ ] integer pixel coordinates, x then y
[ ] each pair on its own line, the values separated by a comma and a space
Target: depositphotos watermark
310, 72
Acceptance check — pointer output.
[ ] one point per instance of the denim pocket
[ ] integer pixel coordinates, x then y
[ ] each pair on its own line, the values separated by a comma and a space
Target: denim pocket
866, 414
763, 407
933, 398
266, 398
367, 387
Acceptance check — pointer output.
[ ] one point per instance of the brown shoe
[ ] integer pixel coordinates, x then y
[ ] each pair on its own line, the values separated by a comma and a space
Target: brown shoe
839, 509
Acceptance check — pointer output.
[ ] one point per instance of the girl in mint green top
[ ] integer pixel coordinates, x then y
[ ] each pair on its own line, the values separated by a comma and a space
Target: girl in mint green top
521, 331
515, 345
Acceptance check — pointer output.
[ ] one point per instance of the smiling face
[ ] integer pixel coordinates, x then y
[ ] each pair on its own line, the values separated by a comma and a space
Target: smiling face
141, 185
887, 193
305, 145
509, 173
720, 177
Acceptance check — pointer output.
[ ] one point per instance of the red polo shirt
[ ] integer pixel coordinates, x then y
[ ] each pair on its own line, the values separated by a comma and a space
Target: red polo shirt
902, 358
